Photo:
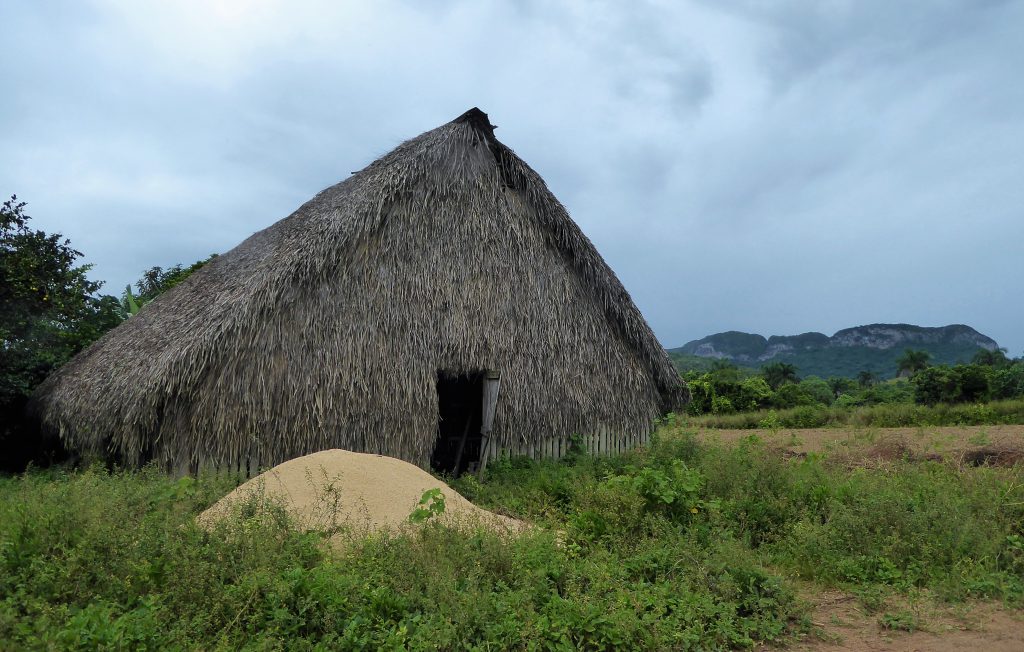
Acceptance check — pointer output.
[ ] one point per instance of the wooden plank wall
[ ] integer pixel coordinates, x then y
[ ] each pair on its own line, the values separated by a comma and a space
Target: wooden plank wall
603, 442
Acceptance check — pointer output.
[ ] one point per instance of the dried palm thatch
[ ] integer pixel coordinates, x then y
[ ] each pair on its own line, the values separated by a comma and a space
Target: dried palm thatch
328, 329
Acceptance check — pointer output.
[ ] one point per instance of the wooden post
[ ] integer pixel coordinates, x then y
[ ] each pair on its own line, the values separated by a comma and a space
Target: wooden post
492, 386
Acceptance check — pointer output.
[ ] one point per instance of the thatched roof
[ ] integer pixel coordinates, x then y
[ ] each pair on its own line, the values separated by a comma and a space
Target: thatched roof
328, 328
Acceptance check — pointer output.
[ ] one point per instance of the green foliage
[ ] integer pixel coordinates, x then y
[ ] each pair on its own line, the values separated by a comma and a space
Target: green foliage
840, 385
725, 391
49, 310
791, 395
754, 393
677, 546
996, 358
912, 361
818, 390
883, 415
777, 374
943, 384
155, 281
906, 621
431, 504
99, 560
1008, 382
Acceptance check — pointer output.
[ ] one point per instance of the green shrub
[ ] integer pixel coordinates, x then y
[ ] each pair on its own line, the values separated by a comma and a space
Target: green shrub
676, 546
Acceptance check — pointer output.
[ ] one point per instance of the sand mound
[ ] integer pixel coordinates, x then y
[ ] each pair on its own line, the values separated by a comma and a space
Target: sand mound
358, 491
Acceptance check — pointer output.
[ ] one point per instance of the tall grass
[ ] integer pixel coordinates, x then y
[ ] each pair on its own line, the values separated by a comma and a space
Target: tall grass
885, 415
679, 546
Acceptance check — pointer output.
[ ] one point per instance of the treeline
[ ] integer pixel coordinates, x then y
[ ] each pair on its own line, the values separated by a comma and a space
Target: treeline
728, 389
49, 311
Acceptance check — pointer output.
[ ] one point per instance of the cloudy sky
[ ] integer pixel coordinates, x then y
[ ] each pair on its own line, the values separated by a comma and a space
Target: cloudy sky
773, 167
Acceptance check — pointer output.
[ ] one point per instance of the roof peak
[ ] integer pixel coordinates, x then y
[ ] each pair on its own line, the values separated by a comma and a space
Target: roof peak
478, 120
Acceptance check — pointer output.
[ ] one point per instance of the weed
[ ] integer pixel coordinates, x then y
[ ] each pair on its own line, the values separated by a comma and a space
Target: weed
431, 504
905, 621
675, 546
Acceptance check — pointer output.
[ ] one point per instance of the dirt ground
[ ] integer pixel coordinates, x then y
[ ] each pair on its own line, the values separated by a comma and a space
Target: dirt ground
972, 445
840, 623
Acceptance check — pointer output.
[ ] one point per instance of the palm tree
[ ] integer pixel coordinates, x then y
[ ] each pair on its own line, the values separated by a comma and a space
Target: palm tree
912, 362
777, 374
996, 358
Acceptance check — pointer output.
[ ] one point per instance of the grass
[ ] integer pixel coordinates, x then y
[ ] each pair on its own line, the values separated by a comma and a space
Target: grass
680, 546
886, 415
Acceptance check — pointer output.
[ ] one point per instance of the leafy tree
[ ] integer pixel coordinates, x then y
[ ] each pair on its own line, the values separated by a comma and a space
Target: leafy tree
722, 405
777, 374
840, 385
912, 362
155, 281
819, 390
1008, 382
866, 378
996, 359
893, 391
935, 385
754, 393
791, 395
723, 370
701, 396
973, 382
49, 310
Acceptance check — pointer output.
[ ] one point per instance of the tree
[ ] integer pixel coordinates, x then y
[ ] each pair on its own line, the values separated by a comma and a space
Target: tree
840, 385
996, 359
935, 385
725, 371
754, 393
49, 310
155, 281
777, 374
866, 378
1008, 382
973, 382
912, 362
819, 390
959, 384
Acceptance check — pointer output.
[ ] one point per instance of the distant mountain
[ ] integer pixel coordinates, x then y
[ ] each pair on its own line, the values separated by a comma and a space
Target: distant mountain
874, 347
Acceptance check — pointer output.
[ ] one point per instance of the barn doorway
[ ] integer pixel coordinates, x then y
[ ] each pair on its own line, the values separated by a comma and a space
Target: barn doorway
460, 416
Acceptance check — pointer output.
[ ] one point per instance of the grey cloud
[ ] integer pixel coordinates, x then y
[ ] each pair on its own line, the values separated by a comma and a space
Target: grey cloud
772, 167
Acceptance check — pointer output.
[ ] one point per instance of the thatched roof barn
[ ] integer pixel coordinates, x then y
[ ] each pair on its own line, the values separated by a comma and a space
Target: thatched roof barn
439, 301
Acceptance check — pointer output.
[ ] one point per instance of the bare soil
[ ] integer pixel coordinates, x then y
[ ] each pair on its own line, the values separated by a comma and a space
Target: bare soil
840, 624
1001, 445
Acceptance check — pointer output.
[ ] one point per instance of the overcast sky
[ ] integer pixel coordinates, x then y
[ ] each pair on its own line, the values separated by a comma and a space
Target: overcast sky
772, 167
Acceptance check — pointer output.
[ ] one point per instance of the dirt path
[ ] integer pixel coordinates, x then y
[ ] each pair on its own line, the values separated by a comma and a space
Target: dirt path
841, 625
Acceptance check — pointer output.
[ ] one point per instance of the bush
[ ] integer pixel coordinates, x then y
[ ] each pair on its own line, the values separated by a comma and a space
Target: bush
887, 415
114, 560
1008, 382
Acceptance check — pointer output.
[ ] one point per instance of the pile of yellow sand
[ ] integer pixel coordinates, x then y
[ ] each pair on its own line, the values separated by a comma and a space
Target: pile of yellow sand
362, 492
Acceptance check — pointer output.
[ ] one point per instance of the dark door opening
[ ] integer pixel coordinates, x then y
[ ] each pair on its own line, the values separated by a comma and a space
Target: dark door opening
460, 415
